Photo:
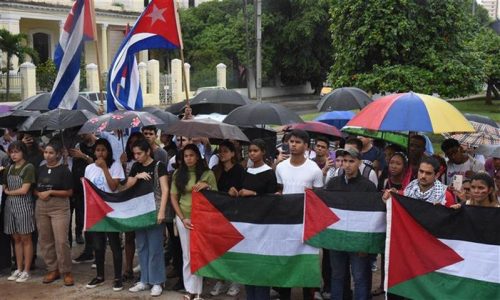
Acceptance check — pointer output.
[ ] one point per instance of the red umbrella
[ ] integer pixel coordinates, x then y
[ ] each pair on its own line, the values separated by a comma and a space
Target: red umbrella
317, 128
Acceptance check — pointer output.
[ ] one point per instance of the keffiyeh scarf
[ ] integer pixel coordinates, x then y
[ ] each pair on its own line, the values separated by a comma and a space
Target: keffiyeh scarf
436, 194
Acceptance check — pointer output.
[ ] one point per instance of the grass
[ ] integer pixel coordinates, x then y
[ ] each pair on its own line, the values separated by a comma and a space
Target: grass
473, 106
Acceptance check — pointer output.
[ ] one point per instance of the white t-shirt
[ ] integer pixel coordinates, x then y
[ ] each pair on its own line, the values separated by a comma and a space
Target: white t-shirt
470, 165
96, 175
296, 179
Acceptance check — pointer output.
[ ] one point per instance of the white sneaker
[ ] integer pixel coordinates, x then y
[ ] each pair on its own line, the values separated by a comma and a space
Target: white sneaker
93, 266
326, 295
23, 277
137, 269
138, 287
234, 289
317, 296
14, 275
217, 289
156, 290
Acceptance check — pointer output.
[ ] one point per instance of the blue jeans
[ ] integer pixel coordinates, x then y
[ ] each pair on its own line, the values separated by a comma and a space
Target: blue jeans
258, 292
149, 243
361, 273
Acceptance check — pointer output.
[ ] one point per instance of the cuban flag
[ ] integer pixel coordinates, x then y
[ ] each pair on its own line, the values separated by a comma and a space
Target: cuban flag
157, 27
78, 28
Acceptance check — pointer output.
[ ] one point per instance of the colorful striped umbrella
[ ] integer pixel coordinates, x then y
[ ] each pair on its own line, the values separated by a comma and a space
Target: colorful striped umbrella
411, 112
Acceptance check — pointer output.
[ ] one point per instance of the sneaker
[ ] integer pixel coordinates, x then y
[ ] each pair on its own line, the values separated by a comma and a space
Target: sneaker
93, 266
117, 285
234, 289
374, 266
274, 294
156, 290
95, 282
138, 287
217, 289
23, 277
84, 258
128, 276
136, 269
14, 275
326, 295
317, 296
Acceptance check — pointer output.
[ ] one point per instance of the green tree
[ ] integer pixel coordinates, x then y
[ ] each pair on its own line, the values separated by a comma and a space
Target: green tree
397, 45
487, 44
46, 75
15, 45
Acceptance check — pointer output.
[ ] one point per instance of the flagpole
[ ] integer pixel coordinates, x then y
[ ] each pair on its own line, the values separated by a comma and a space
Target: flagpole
184, 81
98, 56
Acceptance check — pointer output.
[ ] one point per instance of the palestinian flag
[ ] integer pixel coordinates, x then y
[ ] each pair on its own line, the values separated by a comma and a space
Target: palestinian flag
434, 252
125, 211
252, 240
345, 221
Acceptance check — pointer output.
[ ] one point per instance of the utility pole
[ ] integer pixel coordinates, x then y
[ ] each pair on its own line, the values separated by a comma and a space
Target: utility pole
258, 56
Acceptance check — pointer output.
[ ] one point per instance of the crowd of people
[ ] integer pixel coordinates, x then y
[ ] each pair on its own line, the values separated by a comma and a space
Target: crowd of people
43, 193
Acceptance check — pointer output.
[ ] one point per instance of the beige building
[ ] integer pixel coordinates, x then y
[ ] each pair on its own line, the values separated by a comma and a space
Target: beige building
493, 8
43, 22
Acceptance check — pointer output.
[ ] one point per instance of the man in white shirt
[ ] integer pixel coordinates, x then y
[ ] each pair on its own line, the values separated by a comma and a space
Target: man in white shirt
459, 162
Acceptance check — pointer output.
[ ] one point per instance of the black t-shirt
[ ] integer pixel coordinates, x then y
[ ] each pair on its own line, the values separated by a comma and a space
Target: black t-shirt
261, 182
150, 169
232, 178
57, 178
79, 165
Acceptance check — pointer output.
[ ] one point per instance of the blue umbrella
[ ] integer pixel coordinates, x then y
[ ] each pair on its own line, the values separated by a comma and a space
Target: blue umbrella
337, 118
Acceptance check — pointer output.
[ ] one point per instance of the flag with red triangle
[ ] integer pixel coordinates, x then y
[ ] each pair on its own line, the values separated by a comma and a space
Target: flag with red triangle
434, 252
125, 211
345, 221
252, 240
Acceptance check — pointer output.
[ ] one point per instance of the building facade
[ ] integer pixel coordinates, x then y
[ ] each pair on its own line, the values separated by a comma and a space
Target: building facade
493, 8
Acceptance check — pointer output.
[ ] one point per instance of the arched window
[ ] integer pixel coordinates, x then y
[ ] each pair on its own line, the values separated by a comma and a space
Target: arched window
41, 43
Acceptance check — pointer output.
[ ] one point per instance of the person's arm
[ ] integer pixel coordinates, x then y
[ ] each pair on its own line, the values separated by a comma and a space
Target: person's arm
45, 195
112, 182
23, 190
164, 198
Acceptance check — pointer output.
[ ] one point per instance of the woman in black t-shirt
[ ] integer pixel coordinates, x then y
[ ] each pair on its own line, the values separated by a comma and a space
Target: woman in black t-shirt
149, 241
52, 214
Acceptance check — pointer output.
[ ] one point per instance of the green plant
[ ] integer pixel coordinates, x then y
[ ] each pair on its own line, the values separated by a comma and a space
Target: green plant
46, 74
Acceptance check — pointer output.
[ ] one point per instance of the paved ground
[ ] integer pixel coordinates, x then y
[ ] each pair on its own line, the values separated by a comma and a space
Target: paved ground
35, 289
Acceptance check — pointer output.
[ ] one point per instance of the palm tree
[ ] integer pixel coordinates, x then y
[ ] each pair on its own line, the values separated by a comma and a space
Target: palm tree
14, 44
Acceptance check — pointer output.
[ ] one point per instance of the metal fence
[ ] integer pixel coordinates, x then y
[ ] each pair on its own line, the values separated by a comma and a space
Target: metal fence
15, 81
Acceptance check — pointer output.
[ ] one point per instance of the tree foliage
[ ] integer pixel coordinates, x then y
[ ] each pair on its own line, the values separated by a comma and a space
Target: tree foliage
46, 75
15, 45
295, 39
487, 44
403, 45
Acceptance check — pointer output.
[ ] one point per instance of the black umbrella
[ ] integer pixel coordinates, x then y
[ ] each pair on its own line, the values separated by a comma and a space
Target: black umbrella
120, 119
177, 108
57, 119
346, 98
206, 128
262, 113
167, 117
481, 119
14, 118
40, 102
217, 101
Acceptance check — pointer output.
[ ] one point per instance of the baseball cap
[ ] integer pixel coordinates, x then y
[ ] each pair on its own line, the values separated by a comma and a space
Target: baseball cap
352, 152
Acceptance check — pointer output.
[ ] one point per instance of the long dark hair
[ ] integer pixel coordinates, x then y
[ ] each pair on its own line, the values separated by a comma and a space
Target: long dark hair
128, 151
105, 143
182, 173
219, 168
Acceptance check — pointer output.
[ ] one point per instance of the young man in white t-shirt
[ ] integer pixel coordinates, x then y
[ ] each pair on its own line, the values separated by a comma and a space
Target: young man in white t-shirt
459, 162
295, 174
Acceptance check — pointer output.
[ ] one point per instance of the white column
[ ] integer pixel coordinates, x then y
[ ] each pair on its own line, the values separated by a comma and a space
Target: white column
10, 23
154, 82
177, 95
221, 75
104, 47
143, 56
92, 78
28, 80
143, 77
187, 70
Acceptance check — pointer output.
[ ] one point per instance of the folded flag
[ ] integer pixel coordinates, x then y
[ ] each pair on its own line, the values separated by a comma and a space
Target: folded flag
434, 252
78, 28
252, 240
125, 211
157, 27
345, 221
